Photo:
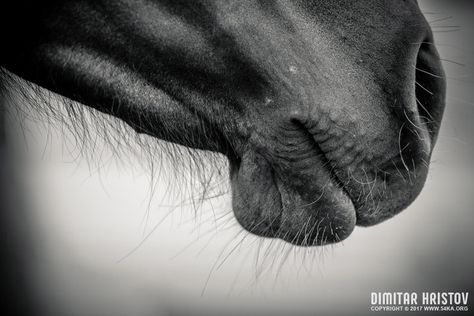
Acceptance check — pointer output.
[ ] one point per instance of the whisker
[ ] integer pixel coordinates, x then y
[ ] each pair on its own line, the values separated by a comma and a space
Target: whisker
446, 26
447, 31
425, 89
425, 109
452, 61
440, 19
429, 73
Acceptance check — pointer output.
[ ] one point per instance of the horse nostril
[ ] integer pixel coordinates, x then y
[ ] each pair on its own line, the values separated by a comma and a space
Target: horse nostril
430, 86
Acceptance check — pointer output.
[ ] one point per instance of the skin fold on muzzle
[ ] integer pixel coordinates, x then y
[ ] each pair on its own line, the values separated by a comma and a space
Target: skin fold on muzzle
327, 110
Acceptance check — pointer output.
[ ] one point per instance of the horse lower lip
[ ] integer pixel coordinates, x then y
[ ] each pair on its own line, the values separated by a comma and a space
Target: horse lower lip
304, 207
317, 223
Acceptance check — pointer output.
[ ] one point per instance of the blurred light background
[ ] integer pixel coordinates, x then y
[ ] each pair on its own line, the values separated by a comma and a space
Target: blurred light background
100, 243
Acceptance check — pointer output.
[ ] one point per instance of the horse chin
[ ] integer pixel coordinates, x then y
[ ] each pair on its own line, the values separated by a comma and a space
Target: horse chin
311, 214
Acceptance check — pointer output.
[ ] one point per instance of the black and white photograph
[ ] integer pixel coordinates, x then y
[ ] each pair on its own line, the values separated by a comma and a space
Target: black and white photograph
245, 157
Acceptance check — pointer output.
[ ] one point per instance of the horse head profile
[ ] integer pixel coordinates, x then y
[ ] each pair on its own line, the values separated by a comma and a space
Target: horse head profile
328, 111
